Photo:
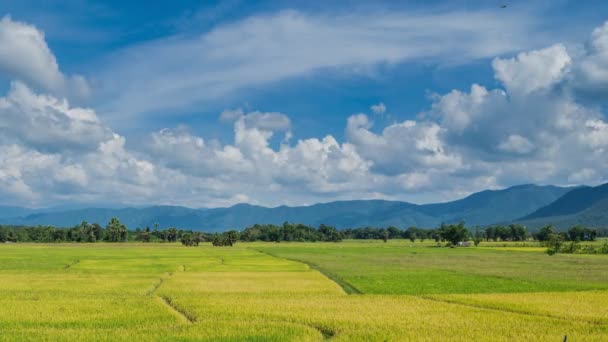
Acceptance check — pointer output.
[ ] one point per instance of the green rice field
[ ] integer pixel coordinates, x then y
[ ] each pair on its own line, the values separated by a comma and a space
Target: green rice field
349, 291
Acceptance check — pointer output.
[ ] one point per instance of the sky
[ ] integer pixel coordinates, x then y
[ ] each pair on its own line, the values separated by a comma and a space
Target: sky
213, 103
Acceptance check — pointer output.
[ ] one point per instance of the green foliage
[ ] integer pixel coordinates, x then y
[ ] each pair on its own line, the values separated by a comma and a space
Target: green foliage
290, 232
142, 235
580, 233
554, 243
454, 233
478, 237
116, 231
512, 232
545, 233
219, 240
604, 249
189, 239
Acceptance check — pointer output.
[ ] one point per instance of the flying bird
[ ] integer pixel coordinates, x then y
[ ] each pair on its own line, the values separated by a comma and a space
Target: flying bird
503, 6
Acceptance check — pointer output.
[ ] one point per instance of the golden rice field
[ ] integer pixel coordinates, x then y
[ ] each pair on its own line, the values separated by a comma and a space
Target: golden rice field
296, 292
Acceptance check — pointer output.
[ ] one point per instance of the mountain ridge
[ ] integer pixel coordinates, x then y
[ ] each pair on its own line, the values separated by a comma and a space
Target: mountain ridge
586, 206
481, 208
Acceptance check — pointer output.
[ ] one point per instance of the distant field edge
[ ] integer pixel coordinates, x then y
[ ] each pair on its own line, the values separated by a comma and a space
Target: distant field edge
347, 287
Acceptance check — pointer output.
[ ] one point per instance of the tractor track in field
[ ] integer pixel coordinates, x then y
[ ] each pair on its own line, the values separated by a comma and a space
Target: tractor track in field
327, 333
507, 310
73, 263
177, 310
167, 301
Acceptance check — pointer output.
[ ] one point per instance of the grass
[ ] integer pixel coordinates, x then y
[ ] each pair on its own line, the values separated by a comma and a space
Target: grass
268, 292
400, 267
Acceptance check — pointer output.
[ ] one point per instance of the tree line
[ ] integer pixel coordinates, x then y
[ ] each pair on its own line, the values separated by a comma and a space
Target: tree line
450, 234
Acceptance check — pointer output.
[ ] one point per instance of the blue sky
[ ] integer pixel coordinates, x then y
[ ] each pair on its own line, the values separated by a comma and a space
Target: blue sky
157, 77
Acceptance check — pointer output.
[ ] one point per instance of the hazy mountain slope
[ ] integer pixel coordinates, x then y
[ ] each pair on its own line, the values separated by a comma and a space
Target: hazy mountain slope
586, 206
494, 206
573, 202
10, 211
482, 208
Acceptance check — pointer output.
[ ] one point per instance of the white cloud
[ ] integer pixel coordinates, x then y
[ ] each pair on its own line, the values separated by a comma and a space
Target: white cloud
402, 147
186, 70
231, 115
530, 129
378, 109
26, 56
47, 123
267, 121
590, 75
516, 144
534, 70
583, 176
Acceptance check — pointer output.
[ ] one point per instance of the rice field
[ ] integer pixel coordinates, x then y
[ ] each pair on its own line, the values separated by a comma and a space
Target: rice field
361, 291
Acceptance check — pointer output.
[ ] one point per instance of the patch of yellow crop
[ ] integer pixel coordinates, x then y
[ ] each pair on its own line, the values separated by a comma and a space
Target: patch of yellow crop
515, 248
307, 283
379, 318
589, 306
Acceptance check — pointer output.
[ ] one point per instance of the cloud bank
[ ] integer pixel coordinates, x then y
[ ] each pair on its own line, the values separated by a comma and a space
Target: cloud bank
542, 124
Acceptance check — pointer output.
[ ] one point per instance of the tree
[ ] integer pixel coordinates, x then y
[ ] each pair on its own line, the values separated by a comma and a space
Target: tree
385, 236
411, 233
554, 243
580, 233
187, 239
330, 233
231, 237
197, 237
478, 237
518, 232
172, 234
545, 233
393, 232
84, 233
143, 235
604, 249
116, 231
454, 233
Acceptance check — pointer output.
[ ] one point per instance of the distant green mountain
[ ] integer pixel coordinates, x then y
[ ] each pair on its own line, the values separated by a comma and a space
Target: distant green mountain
482, 208
496, 206
586, 205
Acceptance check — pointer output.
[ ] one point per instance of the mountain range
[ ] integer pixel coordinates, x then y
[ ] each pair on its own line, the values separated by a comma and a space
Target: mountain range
532, 205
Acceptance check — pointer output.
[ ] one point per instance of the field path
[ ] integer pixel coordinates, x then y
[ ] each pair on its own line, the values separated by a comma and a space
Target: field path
178, 311
346, 286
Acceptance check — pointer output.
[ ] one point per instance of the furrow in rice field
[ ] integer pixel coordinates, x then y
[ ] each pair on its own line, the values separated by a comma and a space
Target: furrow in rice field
179, 311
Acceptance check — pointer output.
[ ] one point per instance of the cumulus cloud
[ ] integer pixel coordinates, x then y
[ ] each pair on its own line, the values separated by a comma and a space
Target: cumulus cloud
47, 123
535, 123
402, 147
534, 70
590, 75
51, 151
26, 56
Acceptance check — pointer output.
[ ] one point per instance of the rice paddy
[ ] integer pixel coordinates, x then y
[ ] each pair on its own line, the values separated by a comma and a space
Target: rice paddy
299, 292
